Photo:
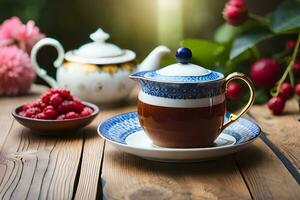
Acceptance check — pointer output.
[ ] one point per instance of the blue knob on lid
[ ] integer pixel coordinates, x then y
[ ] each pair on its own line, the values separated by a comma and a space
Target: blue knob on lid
184, 55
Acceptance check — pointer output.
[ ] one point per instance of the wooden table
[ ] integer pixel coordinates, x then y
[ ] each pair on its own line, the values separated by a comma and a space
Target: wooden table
83, 166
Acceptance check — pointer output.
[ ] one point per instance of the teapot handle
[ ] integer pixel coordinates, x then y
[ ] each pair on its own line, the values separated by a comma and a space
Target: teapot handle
57, 63
240, 76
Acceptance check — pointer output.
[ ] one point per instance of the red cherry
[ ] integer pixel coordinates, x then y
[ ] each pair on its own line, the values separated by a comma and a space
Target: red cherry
297, 89
290, 45
265, 72
296, 67
234, 91
286, 90
276, 105
235, 12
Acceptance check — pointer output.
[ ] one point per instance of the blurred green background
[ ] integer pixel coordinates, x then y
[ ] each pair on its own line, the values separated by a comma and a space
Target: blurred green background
139, 25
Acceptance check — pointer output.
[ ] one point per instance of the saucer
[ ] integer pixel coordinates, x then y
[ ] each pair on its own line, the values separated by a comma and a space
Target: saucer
125, 132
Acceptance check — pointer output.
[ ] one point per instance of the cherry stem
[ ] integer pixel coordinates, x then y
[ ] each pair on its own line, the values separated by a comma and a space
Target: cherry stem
281, 55
258, 18
275, 90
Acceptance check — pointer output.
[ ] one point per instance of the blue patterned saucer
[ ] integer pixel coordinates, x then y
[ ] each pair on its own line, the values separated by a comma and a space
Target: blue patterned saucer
124, 132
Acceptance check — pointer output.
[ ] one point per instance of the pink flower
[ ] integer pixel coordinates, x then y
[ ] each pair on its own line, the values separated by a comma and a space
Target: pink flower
28, 34
9, 28
235, 12
14, 32
16, 71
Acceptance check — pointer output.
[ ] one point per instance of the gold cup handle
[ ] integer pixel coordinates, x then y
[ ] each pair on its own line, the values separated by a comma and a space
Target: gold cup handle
240, 76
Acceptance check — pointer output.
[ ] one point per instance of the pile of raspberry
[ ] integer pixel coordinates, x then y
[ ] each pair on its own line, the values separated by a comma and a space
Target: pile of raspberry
56, 104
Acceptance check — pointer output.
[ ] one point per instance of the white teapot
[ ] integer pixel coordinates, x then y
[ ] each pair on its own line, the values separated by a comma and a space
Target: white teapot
98, 71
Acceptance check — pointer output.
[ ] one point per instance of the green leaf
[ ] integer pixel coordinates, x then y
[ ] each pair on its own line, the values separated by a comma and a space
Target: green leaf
286, 18
205, 52
248, 40
245, 56
226, 33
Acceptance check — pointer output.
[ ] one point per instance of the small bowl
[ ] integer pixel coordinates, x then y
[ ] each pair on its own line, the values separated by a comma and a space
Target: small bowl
51, 126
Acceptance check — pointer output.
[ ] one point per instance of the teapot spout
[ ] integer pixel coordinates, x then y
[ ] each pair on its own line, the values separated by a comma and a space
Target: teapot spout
138, 75
152, 61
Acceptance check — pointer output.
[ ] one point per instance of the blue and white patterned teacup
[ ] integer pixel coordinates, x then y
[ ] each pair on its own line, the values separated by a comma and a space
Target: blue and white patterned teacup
183, 105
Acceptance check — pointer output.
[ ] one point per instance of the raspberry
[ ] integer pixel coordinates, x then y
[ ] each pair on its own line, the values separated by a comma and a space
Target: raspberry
66, 95
22, 113
41, 116
86, 112
72, 115
39, 104
54, 91
64, 107
49, 108
296, 67
61, 117
55, 104
265, 72
234, 91
45, 98
55, 100
78, 106
26, 106
31, 112
50, 112
276, 105
286, 91
297, 89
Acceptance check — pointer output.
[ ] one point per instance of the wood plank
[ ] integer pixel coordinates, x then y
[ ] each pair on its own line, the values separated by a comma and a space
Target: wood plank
9, 103
128, 177
35, 167
91, 165
266, 176
89, 186
282, 130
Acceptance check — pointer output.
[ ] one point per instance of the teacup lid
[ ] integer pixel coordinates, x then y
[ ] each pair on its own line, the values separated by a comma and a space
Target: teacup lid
99, 51
183, 71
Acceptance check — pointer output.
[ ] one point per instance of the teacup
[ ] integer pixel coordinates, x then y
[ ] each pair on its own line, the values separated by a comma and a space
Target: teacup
183, 105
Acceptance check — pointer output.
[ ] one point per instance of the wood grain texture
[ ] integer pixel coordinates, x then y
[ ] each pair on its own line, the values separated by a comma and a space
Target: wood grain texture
265, 175
283, 130
9, 103
128, 177
89, 184
35, 167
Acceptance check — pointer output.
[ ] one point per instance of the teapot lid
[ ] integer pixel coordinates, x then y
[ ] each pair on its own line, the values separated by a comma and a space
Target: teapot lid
183, 71
99, 51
